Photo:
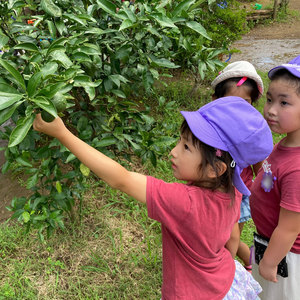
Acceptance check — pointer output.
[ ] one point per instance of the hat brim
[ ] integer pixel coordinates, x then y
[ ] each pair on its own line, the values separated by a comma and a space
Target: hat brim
202, 130
292, 70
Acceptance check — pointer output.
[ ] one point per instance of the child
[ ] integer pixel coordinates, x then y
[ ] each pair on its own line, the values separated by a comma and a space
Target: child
275, 202
241, 79
197, 217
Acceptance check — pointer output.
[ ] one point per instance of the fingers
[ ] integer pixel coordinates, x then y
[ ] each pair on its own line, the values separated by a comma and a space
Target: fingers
37, 120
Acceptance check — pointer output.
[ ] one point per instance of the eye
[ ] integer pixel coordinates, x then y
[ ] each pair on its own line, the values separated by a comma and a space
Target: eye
269, 100
186, 147
283, 103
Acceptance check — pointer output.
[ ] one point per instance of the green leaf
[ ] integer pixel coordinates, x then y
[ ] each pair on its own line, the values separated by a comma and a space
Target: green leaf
61, 27
46, 105
33, 83
104, 142
32, 181
26, 216
84, 170
52, 29
202, 69
107, 6
75, 19
125, 24
90, 49
50, 90
61, 56
70, 158
119, 93
163, 62
24, 162
84, 80
59, 42
5, 114
81, 57
15, 73
130, 14
123, 52
50, 8
198, 28
164, 21
90, 91
20, 131
49, 69
182, 6
8, 99
5, 88
27, 46
3, 40
58, 187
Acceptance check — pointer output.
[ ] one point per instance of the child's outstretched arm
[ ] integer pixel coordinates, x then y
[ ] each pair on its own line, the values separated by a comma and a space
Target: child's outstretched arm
131, 183
281, 242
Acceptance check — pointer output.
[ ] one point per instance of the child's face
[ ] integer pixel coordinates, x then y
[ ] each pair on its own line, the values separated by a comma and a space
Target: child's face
186, 160
282, 109
240, 91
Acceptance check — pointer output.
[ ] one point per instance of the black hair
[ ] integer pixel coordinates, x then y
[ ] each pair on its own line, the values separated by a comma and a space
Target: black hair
210, 158
288, 77
223, 87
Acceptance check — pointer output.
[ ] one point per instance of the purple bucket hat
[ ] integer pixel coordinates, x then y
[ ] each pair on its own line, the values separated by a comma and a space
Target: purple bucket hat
231, 124
293, 67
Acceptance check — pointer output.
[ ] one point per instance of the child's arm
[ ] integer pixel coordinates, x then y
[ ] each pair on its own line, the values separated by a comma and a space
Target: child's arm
133, 184
281, 242
233, 242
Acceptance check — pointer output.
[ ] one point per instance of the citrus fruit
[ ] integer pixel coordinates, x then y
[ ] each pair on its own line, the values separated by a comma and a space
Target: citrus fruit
46, 116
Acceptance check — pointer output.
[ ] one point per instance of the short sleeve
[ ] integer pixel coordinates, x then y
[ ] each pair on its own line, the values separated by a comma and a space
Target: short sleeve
290, 191
167, 202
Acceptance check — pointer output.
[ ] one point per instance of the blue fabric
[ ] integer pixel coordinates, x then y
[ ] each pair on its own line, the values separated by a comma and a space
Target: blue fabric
245, 210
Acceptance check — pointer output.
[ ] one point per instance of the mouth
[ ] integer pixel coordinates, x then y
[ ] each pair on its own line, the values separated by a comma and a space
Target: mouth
173, 165
271, 122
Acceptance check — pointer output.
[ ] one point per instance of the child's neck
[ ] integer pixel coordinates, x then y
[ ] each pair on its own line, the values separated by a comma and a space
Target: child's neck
291, 140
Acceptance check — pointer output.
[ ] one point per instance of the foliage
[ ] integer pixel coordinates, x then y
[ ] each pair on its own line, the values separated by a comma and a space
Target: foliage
224, 24
97, 56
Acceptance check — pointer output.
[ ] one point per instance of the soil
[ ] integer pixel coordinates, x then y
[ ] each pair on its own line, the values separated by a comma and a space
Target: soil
265, 46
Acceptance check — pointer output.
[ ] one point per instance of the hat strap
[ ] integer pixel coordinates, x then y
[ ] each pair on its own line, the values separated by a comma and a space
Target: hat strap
242, 81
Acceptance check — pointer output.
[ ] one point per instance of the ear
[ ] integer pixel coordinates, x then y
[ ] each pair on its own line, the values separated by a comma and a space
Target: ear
221, 167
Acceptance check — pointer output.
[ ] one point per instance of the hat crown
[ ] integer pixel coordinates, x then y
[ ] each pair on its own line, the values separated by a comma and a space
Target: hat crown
239, 69
231, 124
292, 66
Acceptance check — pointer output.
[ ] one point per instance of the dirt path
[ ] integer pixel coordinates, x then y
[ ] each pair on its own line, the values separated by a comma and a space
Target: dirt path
269, 45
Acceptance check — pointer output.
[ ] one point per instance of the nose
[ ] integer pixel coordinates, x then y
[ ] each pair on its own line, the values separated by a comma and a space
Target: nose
173, 152
270, 110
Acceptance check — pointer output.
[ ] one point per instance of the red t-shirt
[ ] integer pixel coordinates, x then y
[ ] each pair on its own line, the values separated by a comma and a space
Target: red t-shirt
247, 176
196, 224
276, 185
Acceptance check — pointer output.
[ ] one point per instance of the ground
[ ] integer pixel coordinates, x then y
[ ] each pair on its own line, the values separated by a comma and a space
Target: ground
265, 46
284, 30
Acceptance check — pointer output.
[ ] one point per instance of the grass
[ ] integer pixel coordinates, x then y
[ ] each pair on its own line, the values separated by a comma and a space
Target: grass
113, 253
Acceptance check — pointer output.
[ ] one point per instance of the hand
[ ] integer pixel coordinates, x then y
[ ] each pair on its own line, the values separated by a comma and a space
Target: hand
54, 128
268, 272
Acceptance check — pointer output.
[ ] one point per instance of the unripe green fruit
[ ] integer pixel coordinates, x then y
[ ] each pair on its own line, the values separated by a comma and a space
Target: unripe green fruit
46, 116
